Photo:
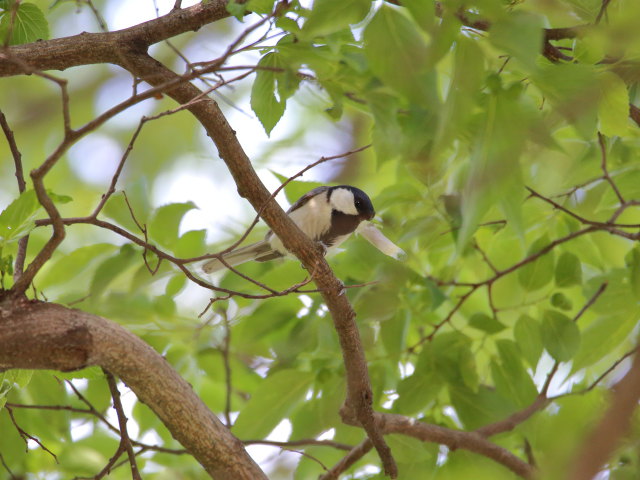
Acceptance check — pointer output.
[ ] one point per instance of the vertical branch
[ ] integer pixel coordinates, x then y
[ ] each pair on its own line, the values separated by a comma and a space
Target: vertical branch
227, 368
122, 422
22, 186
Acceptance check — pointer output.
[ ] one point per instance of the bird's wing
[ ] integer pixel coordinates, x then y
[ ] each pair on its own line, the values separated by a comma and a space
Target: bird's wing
307, 196
260, 251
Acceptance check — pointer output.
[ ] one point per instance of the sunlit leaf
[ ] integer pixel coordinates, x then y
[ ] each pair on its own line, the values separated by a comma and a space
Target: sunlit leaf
28, 25
613, 109
165, 222
539, 272
560, 335
329, 16
279, 393
17, 220
568, 270
264, 103
394, 45
484, 322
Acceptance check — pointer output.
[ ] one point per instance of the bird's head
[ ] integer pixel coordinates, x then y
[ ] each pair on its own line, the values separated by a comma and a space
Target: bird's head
351, 201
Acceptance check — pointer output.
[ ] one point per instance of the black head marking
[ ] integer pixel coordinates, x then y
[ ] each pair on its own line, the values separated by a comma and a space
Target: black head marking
362, 202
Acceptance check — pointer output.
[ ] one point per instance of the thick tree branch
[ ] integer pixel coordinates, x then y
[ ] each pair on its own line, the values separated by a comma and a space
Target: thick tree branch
109, 47
36, 335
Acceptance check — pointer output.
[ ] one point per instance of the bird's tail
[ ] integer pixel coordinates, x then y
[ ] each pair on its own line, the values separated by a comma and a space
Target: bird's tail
260, 251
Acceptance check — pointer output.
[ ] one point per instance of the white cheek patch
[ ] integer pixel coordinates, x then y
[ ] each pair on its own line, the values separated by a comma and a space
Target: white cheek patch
343, 201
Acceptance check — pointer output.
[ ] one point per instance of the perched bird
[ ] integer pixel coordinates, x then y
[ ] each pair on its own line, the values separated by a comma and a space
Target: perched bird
328, 215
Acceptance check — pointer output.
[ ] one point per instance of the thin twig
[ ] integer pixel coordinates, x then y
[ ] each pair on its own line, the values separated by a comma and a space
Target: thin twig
25, 436
125, 442
227, 367
18, 265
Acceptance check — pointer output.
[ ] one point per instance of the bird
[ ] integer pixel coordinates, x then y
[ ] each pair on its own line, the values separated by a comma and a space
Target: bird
326, 214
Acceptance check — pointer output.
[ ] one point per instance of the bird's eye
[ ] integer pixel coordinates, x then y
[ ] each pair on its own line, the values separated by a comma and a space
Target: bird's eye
358, 203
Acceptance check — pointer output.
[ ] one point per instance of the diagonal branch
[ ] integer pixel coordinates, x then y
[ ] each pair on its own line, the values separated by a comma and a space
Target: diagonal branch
358, 404
36, 335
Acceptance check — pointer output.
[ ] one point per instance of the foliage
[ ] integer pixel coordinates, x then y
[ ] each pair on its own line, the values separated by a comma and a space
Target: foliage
509, 173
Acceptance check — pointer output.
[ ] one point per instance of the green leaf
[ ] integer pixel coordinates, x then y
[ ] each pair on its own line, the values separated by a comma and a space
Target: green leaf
110, 269
263, 7
74, 264
602, 337
520, 35
632, 260
18, 219
176, 284
191, 244
476, 409
236, 9
422, 12
482, 321
568, 270
138, 196
29, 25
397, 52
329, 16
561, 301
165, 223
278, 395
613, 108
264, 103
511, 379
538, 273
416, 391
560, 336
406, 449
528, 336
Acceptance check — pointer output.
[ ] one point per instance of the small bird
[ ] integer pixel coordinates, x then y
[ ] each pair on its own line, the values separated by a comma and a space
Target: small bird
328, 215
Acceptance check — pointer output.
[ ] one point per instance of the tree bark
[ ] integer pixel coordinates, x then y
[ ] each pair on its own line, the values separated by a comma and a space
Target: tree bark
36, 335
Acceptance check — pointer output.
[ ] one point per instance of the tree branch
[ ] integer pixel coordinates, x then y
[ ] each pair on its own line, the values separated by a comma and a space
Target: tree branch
36, 335
358, 404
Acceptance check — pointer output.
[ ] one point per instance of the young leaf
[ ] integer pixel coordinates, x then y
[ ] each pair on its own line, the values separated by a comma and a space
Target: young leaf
602, 337
529, 339
17, 220
613, 109
329, 16
165, 223
536, 274
561, 301
482, 321
397, 51
568, 270
560, 336
29, 25
511, 379
264, 103
110, 269
520, 35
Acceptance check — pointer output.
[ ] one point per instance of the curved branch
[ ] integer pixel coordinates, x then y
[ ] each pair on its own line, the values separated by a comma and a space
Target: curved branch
109, 47
36, 335
358, 404
454, 439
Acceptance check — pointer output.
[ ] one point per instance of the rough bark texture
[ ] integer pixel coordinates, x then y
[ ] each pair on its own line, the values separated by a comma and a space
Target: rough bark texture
35, 335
